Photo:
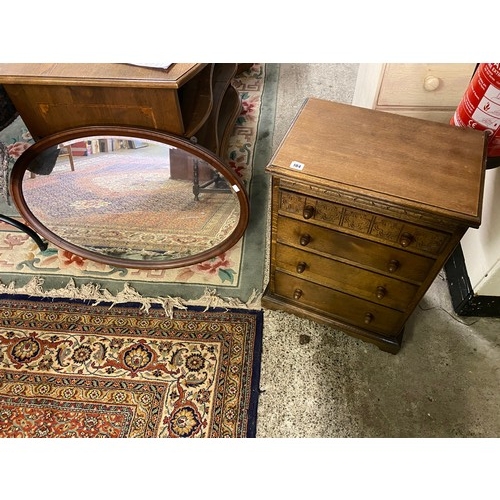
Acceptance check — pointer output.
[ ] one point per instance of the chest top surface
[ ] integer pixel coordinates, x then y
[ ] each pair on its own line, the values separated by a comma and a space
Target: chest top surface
98, 74
416, 163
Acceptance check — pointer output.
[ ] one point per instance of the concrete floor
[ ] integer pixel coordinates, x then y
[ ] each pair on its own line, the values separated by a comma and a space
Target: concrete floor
443, 383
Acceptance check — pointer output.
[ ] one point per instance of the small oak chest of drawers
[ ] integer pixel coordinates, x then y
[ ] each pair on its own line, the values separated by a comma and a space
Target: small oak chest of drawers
367, 207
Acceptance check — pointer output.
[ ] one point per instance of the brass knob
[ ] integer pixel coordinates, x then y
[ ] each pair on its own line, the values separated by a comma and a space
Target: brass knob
301, 267
381, 292
405, 239
393, 266
368, 318
308, 211
297, 294
305, 240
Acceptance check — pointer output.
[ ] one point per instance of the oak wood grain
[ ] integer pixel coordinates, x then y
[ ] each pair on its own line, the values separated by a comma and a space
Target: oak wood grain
396, 159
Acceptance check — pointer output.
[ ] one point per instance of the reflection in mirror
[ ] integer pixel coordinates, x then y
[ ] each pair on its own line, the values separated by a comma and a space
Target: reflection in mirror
131, 198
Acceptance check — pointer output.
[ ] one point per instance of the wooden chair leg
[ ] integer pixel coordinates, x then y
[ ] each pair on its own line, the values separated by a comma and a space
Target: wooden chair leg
70, 154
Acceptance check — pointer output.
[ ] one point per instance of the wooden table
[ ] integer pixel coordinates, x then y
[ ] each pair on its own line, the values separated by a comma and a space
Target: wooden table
195, 101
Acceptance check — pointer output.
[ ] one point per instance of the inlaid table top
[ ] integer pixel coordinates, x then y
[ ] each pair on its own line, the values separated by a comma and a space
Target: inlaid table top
98, 74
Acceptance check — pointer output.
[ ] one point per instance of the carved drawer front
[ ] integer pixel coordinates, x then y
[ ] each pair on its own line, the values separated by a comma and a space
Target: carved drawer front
381, 258
388, 230
355, 311
377, 288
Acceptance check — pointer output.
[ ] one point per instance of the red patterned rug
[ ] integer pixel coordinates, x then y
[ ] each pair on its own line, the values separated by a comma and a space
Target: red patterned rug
70, 369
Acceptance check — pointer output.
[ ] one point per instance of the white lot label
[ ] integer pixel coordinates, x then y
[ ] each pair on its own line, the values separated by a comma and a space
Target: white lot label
296, 165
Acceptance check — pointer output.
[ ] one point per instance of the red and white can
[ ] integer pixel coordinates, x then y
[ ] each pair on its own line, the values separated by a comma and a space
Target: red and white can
480, 105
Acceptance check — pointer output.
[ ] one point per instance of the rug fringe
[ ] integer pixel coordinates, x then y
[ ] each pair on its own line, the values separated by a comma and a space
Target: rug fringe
96, 295
211, 299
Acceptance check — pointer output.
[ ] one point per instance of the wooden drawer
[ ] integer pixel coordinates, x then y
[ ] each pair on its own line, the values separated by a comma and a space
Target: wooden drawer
342, 246
353, 280
384, 229
430, 85
436, 115
341, 306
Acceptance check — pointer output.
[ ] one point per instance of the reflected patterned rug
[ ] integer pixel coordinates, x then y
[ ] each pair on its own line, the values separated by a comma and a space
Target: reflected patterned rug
233, 279
133, 189
70, 369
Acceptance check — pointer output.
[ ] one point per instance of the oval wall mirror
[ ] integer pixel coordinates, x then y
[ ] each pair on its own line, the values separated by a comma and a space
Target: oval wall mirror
130, 197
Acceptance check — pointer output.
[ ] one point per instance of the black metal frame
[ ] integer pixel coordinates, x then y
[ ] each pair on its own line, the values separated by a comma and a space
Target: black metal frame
42, 245
465, 301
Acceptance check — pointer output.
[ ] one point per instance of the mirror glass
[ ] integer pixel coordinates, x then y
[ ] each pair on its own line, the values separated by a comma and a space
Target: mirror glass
130, 200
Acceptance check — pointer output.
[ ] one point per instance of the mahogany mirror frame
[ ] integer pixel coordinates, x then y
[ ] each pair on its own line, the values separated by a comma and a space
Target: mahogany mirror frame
21, 166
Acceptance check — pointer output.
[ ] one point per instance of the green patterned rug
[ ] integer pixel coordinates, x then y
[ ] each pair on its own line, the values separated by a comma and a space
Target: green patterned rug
233, 279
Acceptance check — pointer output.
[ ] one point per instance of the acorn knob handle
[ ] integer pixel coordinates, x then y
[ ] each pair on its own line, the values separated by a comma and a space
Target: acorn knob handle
301, 267
305, 240
405, 240
393, 266
308, 211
